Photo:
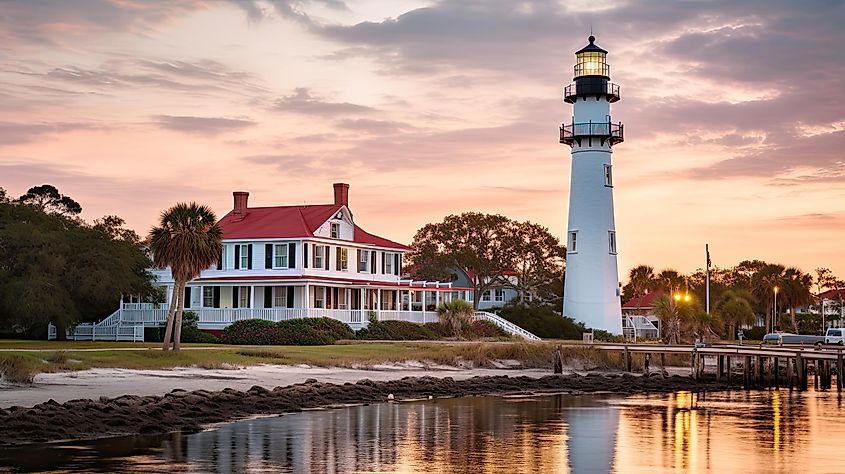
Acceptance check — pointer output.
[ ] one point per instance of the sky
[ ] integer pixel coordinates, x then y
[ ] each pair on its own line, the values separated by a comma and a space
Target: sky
734, 114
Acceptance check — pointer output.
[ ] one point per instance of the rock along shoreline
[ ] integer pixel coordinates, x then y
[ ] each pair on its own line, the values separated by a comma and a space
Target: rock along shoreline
189, 412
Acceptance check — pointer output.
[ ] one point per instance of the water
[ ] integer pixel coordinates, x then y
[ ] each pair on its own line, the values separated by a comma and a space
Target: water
750, 432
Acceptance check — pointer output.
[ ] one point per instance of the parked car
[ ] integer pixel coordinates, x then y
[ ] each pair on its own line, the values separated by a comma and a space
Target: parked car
835, 336
781, 338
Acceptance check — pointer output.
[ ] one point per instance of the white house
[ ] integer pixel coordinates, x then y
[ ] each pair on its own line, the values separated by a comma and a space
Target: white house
285, 262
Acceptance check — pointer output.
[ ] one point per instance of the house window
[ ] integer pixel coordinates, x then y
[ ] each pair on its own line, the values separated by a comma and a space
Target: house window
280, 297
573, 242
485, 296
611, 241
364, 264
388, 263
319, 297
319, 254
335, 226
342, 258
222, 265
243, 297
608, 175
500, 295
244, 256
280, 256
208, 297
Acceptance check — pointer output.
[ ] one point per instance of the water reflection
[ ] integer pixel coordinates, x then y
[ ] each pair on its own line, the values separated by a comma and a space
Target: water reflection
682, 432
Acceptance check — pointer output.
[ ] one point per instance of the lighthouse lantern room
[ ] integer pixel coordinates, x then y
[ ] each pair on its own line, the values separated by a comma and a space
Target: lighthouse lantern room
592, 292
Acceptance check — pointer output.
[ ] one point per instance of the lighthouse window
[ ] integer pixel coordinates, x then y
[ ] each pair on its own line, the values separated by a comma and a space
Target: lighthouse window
611, 241
573, 242
608, 175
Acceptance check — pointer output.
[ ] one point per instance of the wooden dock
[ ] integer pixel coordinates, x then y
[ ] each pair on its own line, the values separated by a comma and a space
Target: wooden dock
758, 366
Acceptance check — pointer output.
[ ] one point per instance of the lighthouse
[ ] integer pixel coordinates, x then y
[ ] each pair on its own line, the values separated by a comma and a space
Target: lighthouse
592, 293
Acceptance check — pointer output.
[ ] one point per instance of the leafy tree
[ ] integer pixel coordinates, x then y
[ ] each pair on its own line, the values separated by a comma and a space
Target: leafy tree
4, 196
485, 246
48, 198
538, 260
825, 279
188, 240
62, 271
734, 307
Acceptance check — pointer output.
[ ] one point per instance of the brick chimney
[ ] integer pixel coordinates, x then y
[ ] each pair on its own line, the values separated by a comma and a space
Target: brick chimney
341, 194
241, 198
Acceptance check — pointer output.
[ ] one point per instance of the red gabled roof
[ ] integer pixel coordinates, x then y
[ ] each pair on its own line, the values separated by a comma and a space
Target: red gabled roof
646, 302
832, 294
286, 222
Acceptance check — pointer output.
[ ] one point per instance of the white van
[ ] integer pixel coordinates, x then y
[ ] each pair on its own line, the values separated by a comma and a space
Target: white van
835, 336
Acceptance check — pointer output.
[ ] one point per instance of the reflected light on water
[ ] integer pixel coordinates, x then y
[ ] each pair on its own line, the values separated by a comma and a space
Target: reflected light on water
682, 432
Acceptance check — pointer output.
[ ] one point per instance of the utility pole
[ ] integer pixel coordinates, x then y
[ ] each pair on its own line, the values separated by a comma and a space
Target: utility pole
707, 279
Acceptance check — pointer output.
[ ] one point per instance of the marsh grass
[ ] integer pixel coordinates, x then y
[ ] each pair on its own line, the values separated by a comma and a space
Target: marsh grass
19, 368
22, 366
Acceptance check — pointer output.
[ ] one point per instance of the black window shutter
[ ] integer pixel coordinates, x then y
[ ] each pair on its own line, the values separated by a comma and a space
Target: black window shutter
235, 296
237, 256
358, 262
304, 255
187, 297
337, 259
249, 257
220, 261
383, 263
396, 264
373, 262
326, 257
328, 298
216, 293
268, 296
291, 255
268, 255
290, 297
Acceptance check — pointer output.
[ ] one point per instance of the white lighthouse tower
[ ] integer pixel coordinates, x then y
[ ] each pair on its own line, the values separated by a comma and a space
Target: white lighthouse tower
592, 293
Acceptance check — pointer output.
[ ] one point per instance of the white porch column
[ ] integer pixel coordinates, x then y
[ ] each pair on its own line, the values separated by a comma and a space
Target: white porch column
436, 300
306, 298
424, 299
252, 300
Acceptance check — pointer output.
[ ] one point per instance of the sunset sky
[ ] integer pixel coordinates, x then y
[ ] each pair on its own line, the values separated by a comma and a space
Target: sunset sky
734, 114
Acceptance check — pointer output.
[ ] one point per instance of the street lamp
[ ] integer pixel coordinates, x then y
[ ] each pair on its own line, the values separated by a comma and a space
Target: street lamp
775, 309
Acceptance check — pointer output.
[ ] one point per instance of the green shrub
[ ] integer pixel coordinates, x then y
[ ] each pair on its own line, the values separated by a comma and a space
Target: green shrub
304, 332
252, 331
396, 331
755, 334
439, 329
543, 321
336, 329
456, 315
192, 334
487, 329
604, 336
293, 332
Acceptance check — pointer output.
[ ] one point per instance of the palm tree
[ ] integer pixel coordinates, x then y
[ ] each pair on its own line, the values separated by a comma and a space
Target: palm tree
734, 307
455, 315
670, 314
704, 324
671, 281
797, 292
642, 280
188, 240
763, 284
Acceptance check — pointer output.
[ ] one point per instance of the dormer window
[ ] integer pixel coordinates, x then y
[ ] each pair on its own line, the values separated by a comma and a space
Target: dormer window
335, 230
339, 215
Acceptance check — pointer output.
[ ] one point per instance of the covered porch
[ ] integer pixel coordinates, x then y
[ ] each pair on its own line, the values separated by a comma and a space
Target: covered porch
219, 305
